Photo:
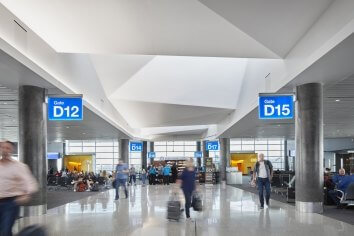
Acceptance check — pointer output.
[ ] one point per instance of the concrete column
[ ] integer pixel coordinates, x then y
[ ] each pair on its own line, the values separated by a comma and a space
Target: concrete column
286, 156
205, 152
33, 143
309, 148
199, 149
224, 156
124, 150
152, 149
144, 155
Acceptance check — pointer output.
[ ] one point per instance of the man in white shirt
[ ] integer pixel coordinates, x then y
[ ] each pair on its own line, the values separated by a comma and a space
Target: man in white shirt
16, 186
263, 173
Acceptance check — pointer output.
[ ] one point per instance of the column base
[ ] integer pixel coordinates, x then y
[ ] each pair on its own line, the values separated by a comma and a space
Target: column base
33, 210
309, 207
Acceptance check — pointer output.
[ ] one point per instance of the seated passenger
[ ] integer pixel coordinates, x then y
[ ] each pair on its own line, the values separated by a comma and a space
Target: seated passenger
341, 182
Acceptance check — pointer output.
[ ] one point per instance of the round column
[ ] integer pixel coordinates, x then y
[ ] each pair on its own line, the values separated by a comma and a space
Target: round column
224, 156
33, 143
124, 150
309, 148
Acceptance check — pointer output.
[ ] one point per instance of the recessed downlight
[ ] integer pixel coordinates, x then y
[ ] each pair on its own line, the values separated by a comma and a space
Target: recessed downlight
337, 100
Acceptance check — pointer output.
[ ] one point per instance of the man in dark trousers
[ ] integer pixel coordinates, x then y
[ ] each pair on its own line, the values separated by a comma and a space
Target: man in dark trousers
16, 186
263, 173
174, 173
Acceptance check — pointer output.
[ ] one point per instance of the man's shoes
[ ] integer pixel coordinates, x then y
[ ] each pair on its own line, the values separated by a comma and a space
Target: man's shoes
261, 207
267, 203
116, 199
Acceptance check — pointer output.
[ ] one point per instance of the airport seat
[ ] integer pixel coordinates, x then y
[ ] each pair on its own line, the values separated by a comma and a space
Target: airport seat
53, 181
347, 198
62, 181
101, 180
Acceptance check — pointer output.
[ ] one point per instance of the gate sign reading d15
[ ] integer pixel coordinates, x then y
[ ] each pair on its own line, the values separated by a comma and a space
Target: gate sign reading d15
276, 106
212, 146
65, 108
136, 146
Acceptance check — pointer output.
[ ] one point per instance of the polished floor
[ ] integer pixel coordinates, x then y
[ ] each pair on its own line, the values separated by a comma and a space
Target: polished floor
228, 211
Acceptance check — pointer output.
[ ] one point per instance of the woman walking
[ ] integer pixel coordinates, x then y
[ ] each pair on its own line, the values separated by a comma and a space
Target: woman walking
188, 185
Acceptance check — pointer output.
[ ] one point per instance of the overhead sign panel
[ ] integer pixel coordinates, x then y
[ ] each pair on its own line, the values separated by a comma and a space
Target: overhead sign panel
198, 154
65, 108
276, 106
136, 146
212, 145
151, 154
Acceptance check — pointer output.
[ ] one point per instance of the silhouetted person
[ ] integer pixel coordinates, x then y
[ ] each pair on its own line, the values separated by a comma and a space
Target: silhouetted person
174, 173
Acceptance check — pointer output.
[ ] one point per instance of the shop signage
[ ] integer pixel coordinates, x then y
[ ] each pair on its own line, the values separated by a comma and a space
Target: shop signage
212, 146
136, 146
198, 154
151, 154
67, 107
276, 106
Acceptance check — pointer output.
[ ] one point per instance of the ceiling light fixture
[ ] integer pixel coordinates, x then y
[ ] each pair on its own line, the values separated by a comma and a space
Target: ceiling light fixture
337, 100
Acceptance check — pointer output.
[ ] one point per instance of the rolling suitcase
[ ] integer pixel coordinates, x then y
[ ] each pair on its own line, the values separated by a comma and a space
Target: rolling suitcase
33, 230
173, 210
197, 202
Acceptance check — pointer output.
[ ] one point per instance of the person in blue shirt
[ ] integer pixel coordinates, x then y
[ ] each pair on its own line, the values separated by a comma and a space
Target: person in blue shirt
166, 174
152, 175
122, 172
187, 180
341, 182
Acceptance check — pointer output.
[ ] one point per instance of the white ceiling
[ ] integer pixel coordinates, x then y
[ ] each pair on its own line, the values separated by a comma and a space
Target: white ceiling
159, 27
12, 75
171, 67
335, 71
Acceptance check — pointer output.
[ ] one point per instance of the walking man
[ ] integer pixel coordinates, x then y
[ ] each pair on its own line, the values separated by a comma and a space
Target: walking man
122, 172
263, 173
16, 186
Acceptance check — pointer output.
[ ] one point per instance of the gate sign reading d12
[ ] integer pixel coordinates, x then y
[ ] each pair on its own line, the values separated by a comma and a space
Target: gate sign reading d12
276, 106
212, 146
136, 146
65, 108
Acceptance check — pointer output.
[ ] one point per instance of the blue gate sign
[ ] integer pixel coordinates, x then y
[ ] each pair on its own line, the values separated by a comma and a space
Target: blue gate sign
198, 154
151, 154
276, 106
65, 108
212, 146
136, 146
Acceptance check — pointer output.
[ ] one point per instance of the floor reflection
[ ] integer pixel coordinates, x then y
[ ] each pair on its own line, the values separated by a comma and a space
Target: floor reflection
227, 211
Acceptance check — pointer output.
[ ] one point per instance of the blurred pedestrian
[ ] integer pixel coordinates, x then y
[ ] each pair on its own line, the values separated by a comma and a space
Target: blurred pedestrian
16, 186
188, 185
122, 172
143, 176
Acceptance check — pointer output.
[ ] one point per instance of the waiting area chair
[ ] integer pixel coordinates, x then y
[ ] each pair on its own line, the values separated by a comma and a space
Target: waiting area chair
347, 198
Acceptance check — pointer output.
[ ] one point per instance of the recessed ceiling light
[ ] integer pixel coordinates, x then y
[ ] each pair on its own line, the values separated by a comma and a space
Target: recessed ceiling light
337, 100
83, 133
